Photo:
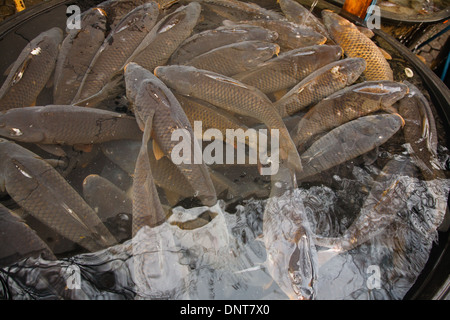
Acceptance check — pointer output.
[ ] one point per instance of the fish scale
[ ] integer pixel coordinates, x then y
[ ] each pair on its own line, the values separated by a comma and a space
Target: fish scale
238, 10
45, 194
349, 141
235, 58
76, 53
207, 40
112, 55
346, 105
210, 116
18, 241
231, 95
357, 45
420, 132
117, 9
67, 125
290, 35
165, 173
298, 14
156, 49
150, 95
289, 68
31, 71
320, 84
147, 209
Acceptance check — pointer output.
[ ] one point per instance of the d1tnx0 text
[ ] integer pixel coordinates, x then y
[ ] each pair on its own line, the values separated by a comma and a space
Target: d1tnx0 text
244, 309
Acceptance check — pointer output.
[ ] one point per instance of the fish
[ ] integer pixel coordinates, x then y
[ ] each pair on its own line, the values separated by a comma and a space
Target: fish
67, 125
292, 259
40, 190
388, 196
210, 116
289, 68
290, 35
349, 141
239, 10
105, 198
31, 71
76, 53
230, 95
166, 36
210, 39
420, 132
233, 192
345, 105
235, 58
110, 59
165, 173
116, 10
320, 84
152, 94
147, 209
298, 14
18, 241
357, 45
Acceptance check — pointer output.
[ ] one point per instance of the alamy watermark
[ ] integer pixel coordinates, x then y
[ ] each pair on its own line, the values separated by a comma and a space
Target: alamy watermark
74, 19
374, 279
233, 152
373, 17
73, 277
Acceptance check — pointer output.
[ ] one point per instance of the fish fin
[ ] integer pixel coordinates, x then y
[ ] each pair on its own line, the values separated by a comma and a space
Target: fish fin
401, 118
279, 94
20, 71
157, 150
386, 55
366, 31
268, 284
172, 197
53, 149
260, 238
83, 147
390, 109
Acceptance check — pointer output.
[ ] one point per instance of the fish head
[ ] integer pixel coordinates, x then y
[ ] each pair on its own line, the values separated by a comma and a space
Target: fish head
335, 23
393, 92
134, 75
336, 51
353, 69
151, 97
177, 78
55, 34
181, 16
14, 125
